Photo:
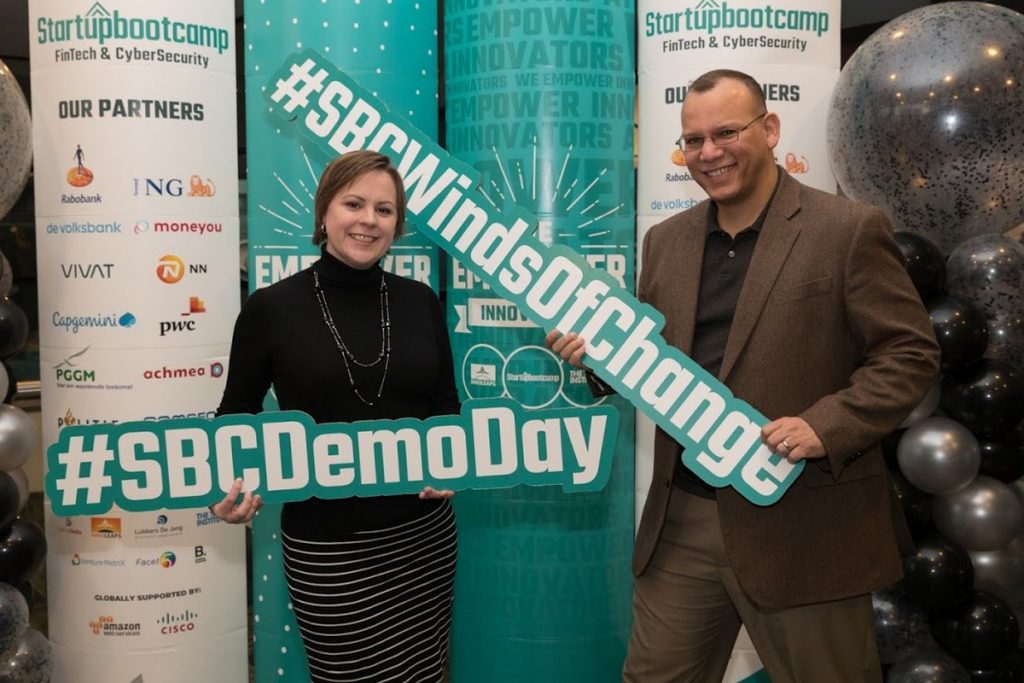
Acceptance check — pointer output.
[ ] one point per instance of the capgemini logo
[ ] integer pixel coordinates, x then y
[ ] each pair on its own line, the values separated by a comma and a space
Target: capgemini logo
126, 320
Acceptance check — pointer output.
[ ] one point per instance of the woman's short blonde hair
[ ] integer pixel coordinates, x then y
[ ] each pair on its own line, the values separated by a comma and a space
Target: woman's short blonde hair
344, 171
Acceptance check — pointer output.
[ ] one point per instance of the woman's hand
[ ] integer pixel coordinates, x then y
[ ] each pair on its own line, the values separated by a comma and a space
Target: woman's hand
241, 513
429, 493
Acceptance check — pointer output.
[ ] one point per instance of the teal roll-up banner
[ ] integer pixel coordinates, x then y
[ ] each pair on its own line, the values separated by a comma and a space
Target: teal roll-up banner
390, 47
539, 99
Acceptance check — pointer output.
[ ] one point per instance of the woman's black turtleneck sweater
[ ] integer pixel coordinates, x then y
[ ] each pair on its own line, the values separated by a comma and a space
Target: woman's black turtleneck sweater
281, 340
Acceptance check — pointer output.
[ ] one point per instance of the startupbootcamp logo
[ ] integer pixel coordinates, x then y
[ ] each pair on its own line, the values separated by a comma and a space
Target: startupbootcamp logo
106, 625
195, 186
171, 269
709, 16
215, 370
100, 26
796, 166
105, 527
182, 622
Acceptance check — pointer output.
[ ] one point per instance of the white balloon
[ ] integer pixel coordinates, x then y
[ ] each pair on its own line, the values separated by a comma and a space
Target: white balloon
984, 516
19, 437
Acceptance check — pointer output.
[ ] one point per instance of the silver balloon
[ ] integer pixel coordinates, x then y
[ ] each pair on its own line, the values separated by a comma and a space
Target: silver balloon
1000, 572
30, 662
19, 437
925, 121
925, 408
13, 616
21, 481
15, 140
938, 455
6, 277
1006, 339
985, 515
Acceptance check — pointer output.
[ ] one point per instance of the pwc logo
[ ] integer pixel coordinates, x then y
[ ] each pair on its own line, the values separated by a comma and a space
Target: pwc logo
171, 269
195, 307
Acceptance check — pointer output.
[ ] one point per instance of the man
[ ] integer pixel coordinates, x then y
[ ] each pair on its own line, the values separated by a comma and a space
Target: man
798, 301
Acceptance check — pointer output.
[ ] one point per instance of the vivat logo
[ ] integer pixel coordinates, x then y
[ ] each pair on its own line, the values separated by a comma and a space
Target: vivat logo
87, 271
710, 16
100, 25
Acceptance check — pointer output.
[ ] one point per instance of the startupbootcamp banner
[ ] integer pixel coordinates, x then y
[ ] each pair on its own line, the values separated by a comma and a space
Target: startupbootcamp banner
792, 48
539, 102
391, 47
136, 196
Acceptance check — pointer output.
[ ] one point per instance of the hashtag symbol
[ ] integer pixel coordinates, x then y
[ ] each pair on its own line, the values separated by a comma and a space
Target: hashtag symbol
299, 86
77, 459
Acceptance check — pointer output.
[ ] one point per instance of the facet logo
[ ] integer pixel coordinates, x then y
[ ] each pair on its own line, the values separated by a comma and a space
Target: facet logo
182, 622
86, 271
106, 527
215, 370
166, 560
100, 25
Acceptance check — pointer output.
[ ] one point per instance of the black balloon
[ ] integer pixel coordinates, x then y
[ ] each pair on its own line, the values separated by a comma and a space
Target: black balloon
939, 575
22, 550
961, 330
13, 328
981, 632
9, 499
924, 261
1010, 671
927, 666
915, 503
1003, 458
901, 625
988, 398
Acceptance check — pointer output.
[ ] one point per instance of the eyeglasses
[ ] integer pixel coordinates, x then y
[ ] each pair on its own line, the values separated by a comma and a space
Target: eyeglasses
720, 138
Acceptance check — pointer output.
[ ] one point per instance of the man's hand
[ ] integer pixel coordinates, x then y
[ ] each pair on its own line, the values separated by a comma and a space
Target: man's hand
429, 493
793, 439
570, 347
241, 513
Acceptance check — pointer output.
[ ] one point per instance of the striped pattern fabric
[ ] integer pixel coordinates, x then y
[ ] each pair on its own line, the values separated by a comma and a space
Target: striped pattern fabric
377, 605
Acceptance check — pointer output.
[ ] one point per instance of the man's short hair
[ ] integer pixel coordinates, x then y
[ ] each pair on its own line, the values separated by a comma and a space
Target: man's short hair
709, 80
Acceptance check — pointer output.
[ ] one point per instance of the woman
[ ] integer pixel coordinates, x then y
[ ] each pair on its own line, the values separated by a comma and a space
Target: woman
370, 579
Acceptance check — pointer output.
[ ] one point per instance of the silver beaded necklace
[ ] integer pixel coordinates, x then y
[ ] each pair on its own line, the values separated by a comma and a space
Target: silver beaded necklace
346, 355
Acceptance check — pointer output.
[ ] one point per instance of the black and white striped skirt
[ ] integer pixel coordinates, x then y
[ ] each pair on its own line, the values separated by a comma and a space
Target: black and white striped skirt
377, 606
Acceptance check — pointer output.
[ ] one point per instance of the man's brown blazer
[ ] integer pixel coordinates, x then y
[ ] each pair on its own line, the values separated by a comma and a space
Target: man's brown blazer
828, 327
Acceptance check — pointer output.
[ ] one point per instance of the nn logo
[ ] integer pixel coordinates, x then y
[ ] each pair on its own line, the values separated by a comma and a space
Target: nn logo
171, 269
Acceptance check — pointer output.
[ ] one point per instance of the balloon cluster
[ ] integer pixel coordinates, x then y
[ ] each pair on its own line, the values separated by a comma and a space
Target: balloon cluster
958, 463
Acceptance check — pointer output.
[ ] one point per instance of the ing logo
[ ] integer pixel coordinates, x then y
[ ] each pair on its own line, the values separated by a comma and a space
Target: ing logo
197, 188
170, 269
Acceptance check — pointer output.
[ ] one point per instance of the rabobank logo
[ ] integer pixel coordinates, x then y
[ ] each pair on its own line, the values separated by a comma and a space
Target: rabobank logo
100, 26
73, 323
709, 16
78, 175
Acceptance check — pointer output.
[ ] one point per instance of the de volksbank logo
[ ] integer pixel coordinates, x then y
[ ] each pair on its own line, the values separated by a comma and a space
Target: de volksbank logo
100, 25
709, 16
